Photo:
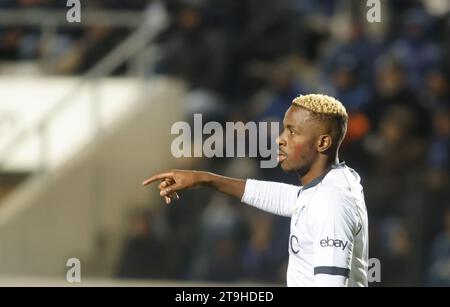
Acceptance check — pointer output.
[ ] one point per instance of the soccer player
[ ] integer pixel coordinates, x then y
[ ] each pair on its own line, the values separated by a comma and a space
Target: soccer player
328, 242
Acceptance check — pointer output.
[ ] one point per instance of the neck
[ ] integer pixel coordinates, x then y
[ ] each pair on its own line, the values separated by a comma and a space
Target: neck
319, 168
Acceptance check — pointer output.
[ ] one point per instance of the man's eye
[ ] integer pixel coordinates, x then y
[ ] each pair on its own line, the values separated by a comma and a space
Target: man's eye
291, 131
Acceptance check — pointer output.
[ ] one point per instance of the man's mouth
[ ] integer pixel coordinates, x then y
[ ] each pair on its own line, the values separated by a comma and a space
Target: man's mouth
281, 156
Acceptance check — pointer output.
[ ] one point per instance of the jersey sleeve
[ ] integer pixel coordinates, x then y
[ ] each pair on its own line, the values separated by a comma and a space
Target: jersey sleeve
274, 197
334, 224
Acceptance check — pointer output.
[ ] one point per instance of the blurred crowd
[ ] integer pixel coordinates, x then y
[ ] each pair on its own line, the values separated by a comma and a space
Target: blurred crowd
245, 61
70, 50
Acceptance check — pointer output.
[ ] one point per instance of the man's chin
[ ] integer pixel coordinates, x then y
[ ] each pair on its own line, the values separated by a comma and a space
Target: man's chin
291, 170
285, 167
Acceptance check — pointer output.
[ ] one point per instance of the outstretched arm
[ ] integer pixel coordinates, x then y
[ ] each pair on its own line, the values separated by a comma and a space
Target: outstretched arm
176, 180
274, 197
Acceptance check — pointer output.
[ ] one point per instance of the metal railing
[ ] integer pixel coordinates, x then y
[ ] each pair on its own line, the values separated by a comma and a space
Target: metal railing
57, 18
137, 44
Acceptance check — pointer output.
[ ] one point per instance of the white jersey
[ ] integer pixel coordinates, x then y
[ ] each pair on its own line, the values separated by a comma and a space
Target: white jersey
328, 242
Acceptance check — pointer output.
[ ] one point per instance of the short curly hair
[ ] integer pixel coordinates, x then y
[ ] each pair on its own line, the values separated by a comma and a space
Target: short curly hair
327, 108
321, 104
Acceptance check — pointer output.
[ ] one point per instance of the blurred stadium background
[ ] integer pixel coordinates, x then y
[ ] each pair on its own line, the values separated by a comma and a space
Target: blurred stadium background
86, 110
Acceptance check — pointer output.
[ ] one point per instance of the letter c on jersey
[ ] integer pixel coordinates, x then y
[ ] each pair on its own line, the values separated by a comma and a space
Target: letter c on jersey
292, 244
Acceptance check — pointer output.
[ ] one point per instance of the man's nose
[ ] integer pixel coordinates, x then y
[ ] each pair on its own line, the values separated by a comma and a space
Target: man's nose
280, 141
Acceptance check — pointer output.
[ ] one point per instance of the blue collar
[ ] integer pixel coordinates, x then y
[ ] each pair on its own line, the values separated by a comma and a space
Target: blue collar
317, 180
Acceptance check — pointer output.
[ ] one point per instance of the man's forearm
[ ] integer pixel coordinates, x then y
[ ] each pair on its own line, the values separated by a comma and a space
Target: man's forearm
231, 186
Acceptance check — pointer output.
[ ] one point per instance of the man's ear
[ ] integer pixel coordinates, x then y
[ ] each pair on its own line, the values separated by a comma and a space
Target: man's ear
324, 143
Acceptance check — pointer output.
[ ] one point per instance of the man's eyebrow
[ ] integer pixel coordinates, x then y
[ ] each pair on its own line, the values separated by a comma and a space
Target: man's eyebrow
290, 126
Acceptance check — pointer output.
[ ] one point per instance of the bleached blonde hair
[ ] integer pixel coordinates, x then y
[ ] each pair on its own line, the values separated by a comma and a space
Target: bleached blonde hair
321, 104
328, 108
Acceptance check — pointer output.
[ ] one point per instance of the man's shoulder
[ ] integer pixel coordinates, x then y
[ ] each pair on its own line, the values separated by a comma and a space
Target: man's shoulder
335, 194
340, 190
342, 180
331, 195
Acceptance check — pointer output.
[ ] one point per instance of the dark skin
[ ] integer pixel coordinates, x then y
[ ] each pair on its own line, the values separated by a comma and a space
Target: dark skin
306, 148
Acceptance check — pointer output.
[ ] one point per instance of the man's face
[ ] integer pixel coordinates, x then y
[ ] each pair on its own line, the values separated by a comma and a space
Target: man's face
297, 142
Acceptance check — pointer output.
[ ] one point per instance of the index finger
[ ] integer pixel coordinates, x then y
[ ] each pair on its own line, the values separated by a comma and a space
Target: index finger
158, 177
